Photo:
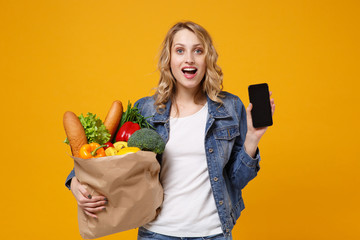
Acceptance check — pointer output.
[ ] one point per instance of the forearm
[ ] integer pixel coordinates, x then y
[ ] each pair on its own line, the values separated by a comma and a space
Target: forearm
243, 167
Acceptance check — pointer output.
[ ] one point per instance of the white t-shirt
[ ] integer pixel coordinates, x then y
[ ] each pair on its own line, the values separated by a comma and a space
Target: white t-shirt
189, 208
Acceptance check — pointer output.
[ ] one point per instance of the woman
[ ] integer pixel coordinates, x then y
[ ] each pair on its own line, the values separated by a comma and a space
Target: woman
211, 152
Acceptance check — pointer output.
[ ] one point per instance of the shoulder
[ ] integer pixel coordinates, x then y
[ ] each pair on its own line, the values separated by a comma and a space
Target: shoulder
233, 105
146, 105
231, 100
144, 101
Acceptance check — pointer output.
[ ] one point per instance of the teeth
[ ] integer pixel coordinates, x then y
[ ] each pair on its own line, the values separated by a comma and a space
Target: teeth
189, 69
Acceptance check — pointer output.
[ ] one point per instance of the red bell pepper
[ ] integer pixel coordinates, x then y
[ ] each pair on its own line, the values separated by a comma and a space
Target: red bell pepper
126, 130
107, 145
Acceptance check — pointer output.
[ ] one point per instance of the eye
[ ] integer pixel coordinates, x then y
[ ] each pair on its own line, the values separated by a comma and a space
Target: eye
179, 50
199, 51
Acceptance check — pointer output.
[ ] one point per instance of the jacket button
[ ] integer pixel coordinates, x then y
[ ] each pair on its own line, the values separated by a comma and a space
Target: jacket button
216, 179
221, 202
211, 150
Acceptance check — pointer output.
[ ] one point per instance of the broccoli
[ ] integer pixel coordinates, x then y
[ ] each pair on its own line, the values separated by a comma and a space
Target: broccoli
148, 140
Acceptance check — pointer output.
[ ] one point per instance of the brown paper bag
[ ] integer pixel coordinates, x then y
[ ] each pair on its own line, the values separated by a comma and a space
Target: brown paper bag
131, 184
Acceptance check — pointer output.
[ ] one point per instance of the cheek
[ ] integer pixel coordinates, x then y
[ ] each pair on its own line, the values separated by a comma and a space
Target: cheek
174, 60
203, 67
203, 71
173, 63
202, 62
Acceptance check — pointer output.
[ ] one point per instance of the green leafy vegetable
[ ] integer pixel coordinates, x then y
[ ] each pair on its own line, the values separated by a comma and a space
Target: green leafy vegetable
132, 115
95, 129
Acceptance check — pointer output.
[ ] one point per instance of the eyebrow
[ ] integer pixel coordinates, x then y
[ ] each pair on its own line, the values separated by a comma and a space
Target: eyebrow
195, 45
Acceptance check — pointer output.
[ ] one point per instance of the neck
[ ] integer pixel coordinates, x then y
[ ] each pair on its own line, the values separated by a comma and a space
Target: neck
195, 96
187, 102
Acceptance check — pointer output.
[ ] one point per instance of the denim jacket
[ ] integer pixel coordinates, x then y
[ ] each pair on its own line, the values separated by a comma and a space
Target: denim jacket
230, 167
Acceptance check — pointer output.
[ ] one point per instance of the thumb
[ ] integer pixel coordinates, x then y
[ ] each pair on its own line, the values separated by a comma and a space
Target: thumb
248, 111
248, 116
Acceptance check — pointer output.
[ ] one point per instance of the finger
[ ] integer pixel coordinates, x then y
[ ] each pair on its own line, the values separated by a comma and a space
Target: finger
249, 120
272, 106
94, 204
94, 201
87, 194
84, 192
249, 108
97, 198
248, 114
95, 210
270, 93
273, 109
90, 214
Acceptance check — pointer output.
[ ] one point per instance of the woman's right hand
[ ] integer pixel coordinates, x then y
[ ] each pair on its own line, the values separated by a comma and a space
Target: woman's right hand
89, 204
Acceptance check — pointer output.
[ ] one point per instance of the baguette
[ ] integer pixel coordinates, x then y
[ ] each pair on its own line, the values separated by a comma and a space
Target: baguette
75, 132
113, 117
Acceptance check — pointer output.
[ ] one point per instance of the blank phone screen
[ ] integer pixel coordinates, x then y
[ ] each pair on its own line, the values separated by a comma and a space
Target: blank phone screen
261, 111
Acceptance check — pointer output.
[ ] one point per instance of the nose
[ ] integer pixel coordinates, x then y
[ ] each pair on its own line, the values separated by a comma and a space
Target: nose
189, 58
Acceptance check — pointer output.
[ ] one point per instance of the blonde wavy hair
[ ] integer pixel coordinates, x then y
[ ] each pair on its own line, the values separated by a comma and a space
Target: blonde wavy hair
212, 82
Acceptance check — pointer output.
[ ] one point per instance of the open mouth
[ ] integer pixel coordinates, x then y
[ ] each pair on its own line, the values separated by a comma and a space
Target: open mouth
189, 70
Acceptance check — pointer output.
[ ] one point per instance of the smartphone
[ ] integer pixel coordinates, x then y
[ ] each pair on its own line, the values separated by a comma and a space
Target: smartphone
260, 99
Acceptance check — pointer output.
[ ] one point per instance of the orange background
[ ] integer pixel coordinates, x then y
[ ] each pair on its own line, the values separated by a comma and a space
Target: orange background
81, 55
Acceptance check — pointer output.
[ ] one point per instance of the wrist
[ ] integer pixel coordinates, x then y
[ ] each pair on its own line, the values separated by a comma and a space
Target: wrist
73, 181
251, 145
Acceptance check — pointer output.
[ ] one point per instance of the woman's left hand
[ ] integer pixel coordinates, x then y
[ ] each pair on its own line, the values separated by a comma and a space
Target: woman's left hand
254, 135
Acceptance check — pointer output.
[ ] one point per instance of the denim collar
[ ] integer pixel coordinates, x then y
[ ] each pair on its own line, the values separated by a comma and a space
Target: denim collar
164, 115
216, 110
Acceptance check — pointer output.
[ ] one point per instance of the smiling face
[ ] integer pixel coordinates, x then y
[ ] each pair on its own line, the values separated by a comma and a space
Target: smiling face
187, 60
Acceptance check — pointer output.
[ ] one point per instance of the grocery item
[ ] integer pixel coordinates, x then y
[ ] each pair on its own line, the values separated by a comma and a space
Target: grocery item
113, 118
75, 132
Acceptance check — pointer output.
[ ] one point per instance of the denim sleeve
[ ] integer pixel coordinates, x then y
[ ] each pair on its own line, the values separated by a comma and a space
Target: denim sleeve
243, 168
68, 179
